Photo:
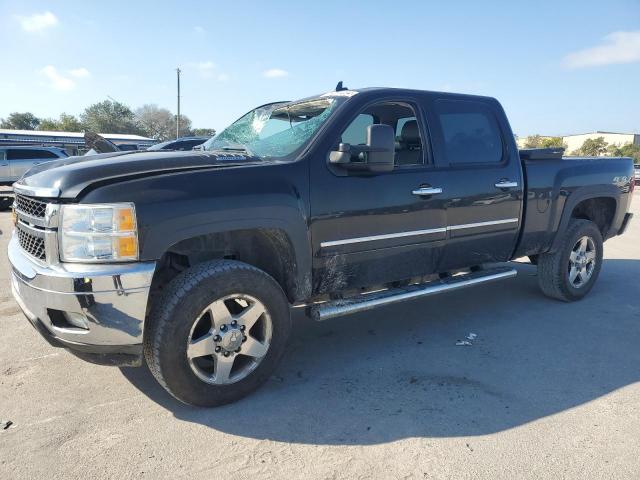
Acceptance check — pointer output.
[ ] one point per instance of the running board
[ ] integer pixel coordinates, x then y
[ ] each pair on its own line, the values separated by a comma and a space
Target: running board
361, 303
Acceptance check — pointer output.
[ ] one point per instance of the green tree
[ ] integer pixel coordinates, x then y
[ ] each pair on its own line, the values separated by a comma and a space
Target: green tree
628, 150
65, 123
538, 141
553, 142
593, 147
160, 123
204, 132
110, 117
185, 126
20, 121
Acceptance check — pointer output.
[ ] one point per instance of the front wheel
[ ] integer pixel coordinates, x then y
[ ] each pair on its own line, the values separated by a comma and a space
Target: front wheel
217, 333
569, 273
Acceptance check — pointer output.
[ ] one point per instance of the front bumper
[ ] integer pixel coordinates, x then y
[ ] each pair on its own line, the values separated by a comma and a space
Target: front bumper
95, 311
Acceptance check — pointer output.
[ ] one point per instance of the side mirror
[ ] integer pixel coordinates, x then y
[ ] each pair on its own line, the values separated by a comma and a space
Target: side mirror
341, 156
377, 155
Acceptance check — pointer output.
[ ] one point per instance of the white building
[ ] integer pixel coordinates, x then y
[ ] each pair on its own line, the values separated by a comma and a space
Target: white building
72, 142
574, 142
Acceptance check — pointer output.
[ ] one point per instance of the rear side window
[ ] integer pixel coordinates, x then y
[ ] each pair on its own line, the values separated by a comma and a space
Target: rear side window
470, 132
28, 154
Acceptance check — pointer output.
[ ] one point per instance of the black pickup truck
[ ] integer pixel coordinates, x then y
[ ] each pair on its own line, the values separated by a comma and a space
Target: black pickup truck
337, 203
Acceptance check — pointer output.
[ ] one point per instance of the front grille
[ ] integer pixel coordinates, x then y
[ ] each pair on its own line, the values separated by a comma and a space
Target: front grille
30, 206
31, 244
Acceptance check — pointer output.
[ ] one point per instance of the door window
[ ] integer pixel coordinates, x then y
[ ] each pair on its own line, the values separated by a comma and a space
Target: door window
29, 154
402, 118
356, 132
470, 132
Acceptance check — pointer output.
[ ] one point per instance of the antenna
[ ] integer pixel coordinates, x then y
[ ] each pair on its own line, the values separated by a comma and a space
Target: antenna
178, 116
339, 87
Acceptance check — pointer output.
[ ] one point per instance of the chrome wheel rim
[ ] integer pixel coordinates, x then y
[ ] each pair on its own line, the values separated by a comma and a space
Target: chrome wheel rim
229, 339
582, 262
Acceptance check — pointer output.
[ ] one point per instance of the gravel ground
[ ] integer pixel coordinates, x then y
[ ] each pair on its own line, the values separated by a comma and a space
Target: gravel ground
546, 390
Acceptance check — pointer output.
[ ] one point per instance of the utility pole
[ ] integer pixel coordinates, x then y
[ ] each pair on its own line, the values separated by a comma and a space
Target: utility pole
178, 116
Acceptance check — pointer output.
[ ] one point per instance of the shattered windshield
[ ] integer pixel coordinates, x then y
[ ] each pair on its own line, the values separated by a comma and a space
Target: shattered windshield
275, 130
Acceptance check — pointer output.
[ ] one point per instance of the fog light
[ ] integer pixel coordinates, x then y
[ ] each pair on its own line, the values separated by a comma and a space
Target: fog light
78, 320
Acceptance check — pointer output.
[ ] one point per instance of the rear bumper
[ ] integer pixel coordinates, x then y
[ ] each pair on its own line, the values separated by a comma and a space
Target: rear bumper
95, 311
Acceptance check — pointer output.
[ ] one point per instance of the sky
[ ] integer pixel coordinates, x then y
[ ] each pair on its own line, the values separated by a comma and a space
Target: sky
557, 67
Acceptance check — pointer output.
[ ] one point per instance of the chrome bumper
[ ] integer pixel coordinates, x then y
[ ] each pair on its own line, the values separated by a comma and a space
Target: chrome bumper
107, 304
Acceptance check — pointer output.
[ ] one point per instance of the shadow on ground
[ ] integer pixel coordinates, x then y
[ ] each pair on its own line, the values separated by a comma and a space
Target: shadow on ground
397, 373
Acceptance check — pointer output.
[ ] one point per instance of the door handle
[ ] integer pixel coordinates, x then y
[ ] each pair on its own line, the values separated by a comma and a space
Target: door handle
427, 191
506, 184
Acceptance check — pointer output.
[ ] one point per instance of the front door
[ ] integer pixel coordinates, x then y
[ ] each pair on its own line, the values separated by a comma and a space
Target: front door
371, 229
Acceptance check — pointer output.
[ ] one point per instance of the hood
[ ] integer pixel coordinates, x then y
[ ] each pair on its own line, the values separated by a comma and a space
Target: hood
68, 177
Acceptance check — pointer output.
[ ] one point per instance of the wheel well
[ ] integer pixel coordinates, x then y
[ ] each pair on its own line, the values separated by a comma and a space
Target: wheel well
267, 249
599, 210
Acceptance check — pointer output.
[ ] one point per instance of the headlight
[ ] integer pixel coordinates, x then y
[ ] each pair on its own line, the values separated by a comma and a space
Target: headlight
98, 233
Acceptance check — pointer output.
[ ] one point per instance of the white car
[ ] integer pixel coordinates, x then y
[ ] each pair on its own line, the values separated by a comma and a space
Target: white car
636, 173
15, 161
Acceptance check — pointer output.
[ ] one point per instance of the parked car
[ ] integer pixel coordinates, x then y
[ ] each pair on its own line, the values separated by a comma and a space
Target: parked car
337, 203
636, 173
183, 143
14, 161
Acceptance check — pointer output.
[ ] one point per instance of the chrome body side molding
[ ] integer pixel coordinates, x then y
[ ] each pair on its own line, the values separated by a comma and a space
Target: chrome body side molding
387, 236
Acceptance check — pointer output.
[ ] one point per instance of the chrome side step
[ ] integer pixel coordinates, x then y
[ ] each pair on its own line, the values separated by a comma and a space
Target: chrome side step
361, 303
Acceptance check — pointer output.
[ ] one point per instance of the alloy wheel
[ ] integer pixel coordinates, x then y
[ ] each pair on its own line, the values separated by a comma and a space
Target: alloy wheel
229, 339
582, 262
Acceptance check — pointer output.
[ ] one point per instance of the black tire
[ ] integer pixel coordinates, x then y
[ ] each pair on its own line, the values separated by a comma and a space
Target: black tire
173, 315
553, 268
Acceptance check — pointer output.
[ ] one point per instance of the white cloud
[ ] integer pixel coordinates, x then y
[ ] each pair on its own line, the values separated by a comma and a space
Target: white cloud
205, 66
37, 22
275, 73
208, 69
80, 72
616, 48
57, 81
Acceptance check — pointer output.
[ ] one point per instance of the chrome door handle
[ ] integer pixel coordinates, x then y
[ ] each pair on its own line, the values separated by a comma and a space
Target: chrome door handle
427, 191
506, 184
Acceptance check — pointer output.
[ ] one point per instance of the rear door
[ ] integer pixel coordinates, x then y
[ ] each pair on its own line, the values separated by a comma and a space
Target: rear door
474, 145
22, 159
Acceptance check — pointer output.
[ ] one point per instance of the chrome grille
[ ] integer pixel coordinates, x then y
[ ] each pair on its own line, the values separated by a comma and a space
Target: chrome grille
31, 244
30, 206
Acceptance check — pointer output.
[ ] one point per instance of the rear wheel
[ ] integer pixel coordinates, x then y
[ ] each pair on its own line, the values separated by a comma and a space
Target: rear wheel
569, 273
217, 333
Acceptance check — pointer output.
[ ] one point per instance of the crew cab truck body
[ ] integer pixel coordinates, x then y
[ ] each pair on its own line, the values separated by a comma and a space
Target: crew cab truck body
336, 203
